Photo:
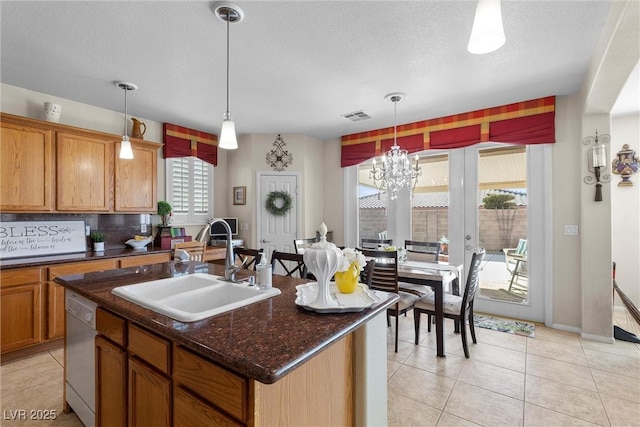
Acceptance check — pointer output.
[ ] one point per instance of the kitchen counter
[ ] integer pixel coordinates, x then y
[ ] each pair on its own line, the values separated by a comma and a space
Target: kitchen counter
6, 264
263, 341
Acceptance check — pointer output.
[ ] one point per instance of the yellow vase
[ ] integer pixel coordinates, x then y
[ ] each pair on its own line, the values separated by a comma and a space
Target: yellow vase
347, 281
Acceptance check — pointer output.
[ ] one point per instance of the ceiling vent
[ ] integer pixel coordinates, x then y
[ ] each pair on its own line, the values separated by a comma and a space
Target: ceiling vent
356, 116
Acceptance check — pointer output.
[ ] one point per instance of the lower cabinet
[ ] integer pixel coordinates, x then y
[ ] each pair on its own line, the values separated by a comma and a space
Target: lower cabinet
149, 396
20, 308
55, 311
111, 384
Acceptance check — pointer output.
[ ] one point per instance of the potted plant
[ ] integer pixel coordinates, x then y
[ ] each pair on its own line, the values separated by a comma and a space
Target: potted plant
444, 245
164, 210
98, 238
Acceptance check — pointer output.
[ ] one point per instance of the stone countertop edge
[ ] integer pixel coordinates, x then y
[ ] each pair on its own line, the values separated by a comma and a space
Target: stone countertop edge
6, 264
263, 341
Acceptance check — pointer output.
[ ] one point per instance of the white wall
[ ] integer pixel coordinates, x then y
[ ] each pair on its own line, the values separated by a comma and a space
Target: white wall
625, 212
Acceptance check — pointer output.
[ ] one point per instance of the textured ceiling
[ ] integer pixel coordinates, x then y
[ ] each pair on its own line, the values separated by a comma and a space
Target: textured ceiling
296, 66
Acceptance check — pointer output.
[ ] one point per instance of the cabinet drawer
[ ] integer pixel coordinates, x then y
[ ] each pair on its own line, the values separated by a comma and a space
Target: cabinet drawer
219, 386
189, 411
111, 326
81, 267
135, 261
20, 276
152, 349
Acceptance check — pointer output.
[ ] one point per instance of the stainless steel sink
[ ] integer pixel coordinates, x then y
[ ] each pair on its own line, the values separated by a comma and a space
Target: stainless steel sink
193, 297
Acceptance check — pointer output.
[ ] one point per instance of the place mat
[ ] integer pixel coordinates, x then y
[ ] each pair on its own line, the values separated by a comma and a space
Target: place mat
515, 327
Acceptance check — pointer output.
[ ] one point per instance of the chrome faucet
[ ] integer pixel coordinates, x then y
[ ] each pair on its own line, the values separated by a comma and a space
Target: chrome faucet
229, 268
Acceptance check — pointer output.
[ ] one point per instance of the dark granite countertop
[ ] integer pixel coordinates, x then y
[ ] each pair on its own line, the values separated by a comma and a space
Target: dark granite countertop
263, 341
6, 264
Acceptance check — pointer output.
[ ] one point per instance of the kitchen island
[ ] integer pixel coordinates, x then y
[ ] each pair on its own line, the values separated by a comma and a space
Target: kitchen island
292, 366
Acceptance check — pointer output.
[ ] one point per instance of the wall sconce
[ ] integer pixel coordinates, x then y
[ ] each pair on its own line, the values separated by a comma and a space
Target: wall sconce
625, 165
597, 162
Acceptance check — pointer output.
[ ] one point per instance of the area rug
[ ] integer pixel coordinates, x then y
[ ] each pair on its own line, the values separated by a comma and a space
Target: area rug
505, 325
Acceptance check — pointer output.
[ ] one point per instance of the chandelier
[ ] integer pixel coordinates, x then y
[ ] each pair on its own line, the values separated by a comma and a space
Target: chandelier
396, 171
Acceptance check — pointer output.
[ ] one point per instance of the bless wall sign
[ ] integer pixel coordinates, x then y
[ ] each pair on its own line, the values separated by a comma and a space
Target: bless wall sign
33, 238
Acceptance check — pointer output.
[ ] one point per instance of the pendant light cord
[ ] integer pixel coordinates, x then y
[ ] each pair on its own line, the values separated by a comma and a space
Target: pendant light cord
395, 121
126, 129
228, 18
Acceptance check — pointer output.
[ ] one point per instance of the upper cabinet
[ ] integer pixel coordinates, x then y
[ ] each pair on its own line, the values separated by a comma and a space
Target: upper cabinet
84, 173
26, 168
48, 167
136, 179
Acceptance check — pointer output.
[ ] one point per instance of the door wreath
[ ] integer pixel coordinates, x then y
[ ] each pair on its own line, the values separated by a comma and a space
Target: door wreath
278, 209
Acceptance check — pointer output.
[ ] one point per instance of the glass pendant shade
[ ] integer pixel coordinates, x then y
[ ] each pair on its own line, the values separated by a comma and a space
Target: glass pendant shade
125, 148
487, 34
228, 139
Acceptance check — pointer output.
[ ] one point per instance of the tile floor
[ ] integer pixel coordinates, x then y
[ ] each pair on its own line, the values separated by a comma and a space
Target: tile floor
555, 379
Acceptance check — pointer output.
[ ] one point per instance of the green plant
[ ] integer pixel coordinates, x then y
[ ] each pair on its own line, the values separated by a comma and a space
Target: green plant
98, 236
444, 240
498, 201
164, 208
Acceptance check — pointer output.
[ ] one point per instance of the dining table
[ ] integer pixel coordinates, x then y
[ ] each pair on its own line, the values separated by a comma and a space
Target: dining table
440, 277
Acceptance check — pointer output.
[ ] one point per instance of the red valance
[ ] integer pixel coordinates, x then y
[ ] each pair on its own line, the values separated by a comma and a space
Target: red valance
183, 142
528, 122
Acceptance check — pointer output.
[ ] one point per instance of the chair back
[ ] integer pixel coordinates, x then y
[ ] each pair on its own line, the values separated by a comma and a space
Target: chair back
195, 249
422, 251
382, 270
473, 281
374, 243
247, 258
293, 264
302, 244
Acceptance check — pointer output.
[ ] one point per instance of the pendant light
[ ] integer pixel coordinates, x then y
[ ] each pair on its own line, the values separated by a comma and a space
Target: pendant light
229, 13
125, 145
487, 34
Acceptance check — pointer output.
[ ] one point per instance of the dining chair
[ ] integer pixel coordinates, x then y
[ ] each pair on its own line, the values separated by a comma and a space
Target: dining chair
247, 258
422, 251
374, 243
382, 275
291, 263
458, 308
302, 244
195, 250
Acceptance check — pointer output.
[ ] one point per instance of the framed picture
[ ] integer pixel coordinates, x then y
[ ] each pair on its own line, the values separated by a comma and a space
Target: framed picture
239, 195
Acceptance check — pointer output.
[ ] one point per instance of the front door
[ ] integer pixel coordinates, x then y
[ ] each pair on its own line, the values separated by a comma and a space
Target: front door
277, 232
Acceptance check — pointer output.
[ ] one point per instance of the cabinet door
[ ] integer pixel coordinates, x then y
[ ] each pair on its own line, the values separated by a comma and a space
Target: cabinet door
149, 396
136, 179
84, 173
55, 310
135, 261
111, 384
26, 169
20, 316
189, 411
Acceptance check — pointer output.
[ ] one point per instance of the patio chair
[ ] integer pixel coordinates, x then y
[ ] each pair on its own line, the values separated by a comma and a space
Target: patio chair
460, 309
383, 276
516, 262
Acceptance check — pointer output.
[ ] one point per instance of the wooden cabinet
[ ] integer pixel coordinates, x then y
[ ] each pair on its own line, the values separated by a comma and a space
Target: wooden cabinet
84, 173
135, 179
54, 307
149, 396
50, 167
134, 261
20, 305
26, 168
111, 384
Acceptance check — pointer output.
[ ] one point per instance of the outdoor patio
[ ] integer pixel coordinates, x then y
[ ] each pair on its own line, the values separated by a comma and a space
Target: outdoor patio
495, 278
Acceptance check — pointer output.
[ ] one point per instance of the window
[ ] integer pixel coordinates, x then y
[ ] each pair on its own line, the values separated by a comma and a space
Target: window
190, 189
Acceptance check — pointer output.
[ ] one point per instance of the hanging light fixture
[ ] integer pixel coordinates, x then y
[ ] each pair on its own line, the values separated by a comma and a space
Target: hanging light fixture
125, 145
229, 13
487, 34
396, 171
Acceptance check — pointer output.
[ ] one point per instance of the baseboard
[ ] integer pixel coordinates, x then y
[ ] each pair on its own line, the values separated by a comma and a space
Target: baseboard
566, 328
599, 338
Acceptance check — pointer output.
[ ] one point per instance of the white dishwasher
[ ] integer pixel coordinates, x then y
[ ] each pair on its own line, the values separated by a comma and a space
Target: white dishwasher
80, 356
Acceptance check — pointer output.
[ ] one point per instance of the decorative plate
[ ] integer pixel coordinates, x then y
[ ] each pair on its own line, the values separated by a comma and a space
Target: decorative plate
138, 244
362, 298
